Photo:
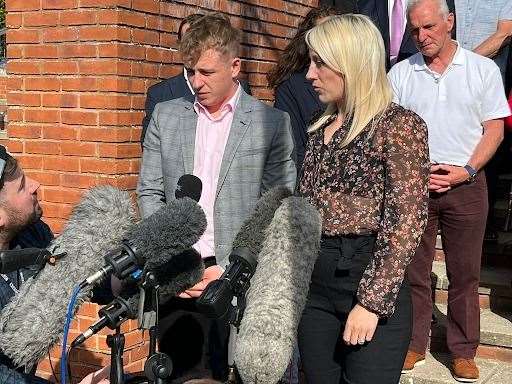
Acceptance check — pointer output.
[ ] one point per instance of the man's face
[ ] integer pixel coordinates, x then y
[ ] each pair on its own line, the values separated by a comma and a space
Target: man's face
212, 78
18, 203
429, 29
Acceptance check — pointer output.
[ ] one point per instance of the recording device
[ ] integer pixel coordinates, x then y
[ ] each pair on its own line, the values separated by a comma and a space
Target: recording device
215, 301
278, 292
14, 259
33, 321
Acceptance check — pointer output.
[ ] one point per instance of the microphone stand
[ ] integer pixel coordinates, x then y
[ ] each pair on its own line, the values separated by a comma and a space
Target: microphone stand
237, 314
116, 344
158, 366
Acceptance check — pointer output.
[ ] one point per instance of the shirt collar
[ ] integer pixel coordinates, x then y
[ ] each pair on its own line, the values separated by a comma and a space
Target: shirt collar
228, 106
458, 59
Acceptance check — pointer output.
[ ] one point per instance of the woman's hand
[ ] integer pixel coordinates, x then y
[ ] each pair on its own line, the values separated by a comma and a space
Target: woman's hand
360, 326
210, 274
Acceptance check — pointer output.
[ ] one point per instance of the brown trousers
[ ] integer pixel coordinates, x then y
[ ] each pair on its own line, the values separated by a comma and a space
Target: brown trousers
461, 214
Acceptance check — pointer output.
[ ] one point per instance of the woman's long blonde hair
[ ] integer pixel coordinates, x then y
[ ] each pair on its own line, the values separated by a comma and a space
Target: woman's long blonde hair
353, 46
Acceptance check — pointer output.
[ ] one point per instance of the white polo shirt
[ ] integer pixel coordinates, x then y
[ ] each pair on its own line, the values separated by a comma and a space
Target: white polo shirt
453, 104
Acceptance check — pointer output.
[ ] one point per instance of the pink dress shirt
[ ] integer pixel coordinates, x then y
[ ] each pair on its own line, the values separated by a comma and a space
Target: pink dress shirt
211, 138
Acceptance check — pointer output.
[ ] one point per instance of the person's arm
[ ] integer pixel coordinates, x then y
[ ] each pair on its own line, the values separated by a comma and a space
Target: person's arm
285, 101
280, 166
404, 218
150, 187
491, 46
151, 101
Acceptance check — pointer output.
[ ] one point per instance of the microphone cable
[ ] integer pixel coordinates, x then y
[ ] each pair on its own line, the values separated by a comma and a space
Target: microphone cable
69, 318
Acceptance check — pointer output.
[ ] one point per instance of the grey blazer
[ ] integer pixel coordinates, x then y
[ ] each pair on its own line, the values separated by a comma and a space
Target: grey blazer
259, 155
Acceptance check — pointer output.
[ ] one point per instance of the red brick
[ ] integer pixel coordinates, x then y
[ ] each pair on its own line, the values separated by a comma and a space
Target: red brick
79, 117
38, 19
42, 147
126, 182
60, 132
105, 101
42, 115
42, 83
14, 83
61, 195
12, 146
23, 67
132, 19
14, 51
77, 17
45, 178
56, 210
104, 33
15, 114
79, 181
104, 67
104, 3
77, 50
77, 148
144, 36
117, 84
134, 367
64, 100
89, 310
105, 166
138, 102
13, 20
105, 134
120, 118
119, 151
42, 51
24, 131
59, 4
150, 6
60, 67
79, 84
60, 34
22, 5
18, 36
24, 98
30, 161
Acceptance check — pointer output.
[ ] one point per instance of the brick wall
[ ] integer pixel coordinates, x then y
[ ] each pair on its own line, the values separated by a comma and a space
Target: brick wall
77, 73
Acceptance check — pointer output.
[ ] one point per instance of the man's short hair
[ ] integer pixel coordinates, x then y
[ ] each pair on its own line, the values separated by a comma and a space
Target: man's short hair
190, 19
212, 31
11, 170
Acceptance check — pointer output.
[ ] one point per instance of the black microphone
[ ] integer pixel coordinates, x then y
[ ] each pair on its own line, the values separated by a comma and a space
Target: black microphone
155, 240
189, 186
180, 273
14, 259
215, 301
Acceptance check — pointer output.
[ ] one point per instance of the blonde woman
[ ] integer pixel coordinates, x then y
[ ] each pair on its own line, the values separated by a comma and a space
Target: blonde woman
366, 168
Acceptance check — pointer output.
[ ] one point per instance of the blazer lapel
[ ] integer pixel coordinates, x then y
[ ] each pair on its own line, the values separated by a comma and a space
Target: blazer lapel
187, 128
240, 124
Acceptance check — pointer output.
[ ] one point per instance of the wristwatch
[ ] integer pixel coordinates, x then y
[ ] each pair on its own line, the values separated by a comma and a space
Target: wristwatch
472, 173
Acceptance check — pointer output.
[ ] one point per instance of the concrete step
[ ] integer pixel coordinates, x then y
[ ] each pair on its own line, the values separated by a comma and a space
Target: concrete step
495, 286
495, 328
436, 371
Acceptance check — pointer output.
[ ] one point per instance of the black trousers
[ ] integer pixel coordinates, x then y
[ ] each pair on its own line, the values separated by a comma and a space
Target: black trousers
325, 357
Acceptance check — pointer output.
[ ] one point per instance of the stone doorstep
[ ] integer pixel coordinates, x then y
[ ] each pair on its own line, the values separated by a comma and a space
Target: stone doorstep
492, 280
495, 328
436, 371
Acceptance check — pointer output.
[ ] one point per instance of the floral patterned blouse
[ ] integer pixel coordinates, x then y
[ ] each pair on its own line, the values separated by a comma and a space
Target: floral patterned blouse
376, 184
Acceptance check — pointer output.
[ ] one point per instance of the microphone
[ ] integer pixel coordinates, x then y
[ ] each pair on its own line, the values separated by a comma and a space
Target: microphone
14, 259
189, 186
33, 321
155, 240
278, 292
182, 272
215, 301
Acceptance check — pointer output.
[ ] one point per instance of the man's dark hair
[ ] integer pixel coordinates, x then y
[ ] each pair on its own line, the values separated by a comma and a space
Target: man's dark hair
190, 19
11, 171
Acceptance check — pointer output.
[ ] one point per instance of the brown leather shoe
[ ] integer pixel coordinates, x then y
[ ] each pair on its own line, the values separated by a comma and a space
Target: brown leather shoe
413, 359
464, 370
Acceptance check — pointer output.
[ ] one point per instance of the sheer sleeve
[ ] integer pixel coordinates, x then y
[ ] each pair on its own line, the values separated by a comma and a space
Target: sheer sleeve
404, 211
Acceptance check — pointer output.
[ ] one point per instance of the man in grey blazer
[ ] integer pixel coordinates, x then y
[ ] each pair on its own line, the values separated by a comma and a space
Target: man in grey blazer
238, 146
